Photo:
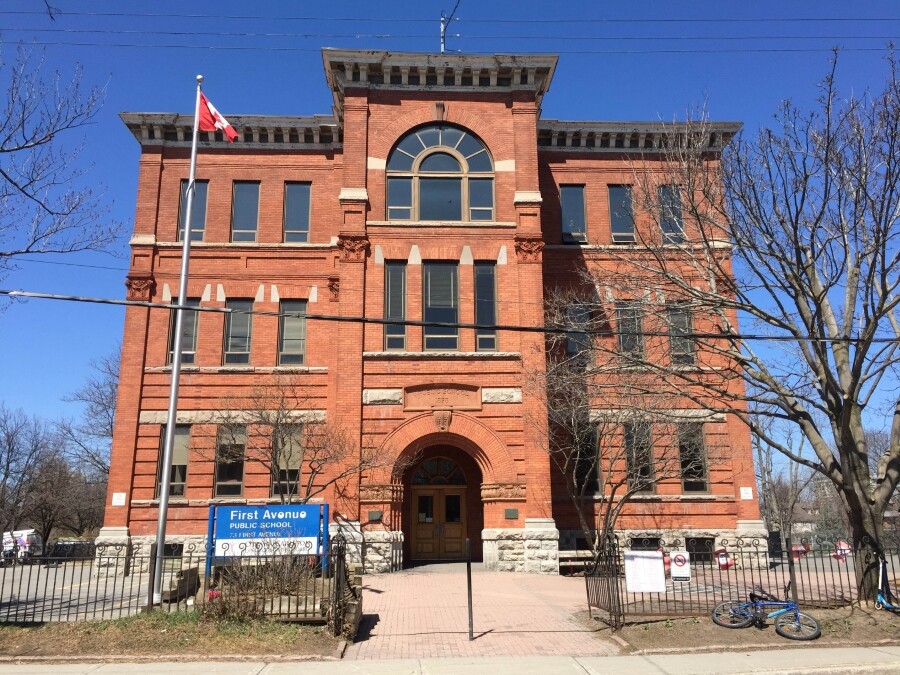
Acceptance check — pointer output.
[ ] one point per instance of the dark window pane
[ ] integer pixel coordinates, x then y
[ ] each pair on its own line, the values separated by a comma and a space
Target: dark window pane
571, 199
411, 145
198, 210
180, 450
230, 461
693, 458
425, 509
189, 323
244, 211
585, 465
440, 162
469, 145
238, 326
670, 214
480, 162
481, 192
296, 211
430, 137
395, 304
578, 320
440, 305
440, 199
638, 448
630, 316
400, 161
621, 215
452, 509
681, 341
450, 136
292, 332
485, 306
400, 198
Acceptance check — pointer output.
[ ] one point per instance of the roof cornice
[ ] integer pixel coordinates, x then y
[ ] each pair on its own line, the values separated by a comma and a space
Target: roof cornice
632, 137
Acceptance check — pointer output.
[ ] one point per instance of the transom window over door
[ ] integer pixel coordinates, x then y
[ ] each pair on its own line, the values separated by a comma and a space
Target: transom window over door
440, 172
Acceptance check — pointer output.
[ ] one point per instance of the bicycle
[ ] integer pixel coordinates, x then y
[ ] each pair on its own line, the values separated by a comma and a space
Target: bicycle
790, 622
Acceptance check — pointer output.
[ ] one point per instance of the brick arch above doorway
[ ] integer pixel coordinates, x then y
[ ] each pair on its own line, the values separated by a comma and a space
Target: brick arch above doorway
464, 432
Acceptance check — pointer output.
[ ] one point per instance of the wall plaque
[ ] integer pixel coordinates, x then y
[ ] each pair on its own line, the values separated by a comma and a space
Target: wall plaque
442, 397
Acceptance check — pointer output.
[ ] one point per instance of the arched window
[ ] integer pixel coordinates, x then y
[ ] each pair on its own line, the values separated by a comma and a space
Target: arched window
440, 172
438, 471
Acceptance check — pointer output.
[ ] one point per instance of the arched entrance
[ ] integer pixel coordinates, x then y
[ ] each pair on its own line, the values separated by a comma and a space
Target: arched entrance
443, 506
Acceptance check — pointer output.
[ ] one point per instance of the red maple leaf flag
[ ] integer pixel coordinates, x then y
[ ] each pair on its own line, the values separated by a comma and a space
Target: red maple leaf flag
212, 120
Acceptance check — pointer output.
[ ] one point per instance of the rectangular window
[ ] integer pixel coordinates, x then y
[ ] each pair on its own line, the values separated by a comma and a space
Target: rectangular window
244, 210
178, 474
621, 214
440, 305
230, 448
296, 211
440, 199
481, 199
585, 464
399, 198
639, 457
630, 319
485, 306
395, 305
578, 320
287, 454
238, 328
189, 323
681, 328
571, 199
670, 218
694, 475
292, 332
198, 210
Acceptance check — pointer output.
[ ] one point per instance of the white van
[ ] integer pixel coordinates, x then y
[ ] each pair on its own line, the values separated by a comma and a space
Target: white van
21, 546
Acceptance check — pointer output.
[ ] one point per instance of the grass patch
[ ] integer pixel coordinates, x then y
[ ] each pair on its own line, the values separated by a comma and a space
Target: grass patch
166, 633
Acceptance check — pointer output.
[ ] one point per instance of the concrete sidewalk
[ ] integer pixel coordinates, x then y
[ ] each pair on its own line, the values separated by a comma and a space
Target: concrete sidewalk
787, 662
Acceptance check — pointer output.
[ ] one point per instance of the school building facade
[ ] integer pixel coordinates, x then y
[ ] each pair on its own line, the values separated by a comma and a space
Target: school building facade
434, 192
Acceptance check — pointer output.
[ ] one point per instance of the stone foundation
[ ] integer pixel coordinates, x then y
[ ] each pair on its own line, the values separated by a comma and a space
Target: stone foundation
534, 549
382, 551
746, 530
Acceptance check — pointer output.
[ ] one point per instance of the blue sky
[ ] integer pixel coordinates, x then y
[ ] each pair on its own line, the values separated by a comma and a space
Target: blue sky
623, 61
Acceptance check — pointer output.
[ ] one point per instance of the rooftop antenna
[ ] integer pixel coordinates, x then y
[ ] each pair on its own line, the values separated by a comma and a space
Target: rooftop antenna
445, 21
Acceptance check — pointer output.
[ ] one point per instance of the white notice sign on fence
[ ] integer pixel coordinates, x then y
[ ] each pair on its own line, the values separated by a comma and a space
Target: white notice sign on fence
681, 566
644, 572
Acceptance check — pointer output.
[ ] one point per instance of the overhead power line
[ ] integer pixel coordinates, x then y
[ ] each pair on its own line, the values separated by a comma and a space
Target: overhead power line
437, 324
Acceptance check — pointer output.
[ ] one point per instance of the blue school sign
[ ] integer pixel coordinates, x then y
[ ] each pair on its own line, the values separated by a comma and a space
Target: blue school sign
266, 530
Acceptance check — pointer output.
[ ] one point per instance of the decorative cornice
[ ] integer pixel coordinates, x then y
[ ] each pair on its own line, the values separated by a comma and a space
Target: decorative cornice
632, 137
334, 287
140, 287
529, 248
357, 194
353, 247
381, 494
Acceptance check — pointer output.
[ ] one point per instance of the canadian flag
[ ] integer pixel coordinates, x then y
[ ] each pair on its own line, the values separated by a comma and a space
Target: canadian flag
212, 120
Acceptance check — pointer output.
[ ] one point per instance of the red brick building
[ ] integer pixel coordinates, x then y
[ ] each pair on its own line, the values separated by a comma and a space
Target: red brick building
435, 192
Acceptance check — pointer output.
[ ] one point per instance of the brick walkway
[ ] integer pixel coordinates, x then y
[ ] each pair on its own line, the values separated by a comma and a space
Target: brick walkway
422, 613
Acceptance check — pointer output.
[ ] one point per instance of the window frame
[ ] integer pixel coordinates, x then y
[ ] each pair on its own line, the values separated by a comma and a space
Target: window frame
485, 308
406, 197
231, 357
687, 434
639, 456
281, 476
671, 213
682, 346
285, 231
616, 218
238, 439
188, 356
292, 358
435, 333
245, 231
638, 335
587, 453
181, 431
197, 233
395, 334
568, 234
578, 320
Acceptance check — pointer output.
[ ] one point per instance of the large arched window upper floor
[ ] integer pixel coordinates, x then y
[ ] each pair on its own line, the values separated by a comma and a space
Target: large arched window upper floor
440, 173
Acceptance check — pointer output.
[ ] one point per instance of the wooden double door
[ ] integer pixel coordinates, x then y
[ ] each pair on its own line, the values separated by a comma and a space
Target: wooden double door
438, 522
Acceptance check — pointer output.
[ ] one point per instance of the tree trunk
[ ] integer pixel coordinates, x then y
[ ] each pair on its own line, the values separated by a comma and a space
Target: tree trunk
868, 541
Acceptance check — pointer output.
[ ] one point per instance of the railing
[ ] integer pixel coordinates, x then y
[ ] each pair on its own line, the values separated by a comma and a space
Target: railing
822, 572
117, 582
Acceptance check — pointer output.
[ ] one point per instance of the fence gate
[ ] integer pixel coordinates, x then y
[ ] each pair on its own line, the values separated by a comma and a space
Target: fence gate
603, 591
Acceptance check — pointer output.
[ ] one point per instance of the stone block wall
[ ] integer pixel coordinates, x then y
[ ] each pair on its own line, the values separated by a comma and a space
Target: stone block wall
533, 549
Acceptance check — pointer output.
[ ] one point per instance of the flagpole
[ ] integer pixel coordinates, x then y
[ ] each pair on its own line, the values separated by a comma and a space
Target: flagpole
166, 469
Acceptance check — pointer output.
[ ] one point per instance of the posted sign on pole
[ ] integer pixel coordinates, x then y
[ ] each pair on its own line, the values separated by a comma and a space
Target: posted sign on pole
681, 566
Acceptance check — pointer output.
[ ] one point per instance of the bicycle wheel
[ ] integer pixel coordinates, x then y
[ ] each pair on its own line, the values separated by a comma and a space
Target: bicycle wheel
797, 626
731, 614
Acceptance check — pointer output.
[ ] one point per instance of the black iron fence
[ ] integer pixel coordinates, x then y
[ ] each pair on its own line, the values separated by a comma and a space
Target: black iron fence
822, 573
117, 581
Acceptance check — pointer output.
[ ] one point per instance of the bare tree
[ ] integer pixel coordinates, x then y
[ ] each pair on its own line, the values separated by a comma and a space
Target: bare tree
783, 484
25, 443
796, 230
275, 427
51, 495
89, 439
612, 436
45, 205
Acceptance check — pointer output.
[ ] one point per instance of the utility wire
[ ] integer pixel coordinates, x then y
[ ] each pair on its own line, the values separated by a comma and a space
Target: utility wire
437, 324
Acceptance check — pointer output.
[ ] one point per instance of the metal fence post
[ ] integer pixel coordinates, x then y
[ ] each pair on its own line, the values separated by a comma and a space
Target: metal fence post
791, 571
469, 583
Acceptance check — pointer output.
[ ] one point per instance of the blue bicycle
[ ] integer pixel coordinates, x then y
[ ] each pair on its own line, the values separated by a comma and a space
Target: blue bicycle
790, 622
